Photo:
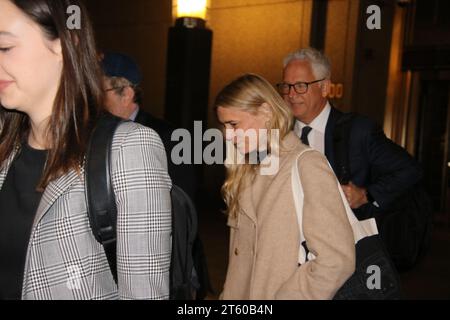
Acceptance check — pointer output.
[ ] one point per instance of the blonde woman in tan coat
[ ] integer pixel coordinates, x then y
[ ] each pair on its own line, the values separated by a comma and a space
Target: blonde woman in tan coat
264, 231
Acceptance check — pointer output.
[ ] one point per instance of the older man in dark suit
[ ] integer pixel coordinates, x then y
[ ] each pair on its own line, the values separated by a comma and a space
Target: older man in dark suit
380, 170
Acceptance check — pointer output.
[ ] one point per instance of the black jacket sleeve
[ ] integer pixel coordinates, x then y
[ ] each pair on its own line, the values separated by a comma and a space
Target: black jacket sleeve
392, 170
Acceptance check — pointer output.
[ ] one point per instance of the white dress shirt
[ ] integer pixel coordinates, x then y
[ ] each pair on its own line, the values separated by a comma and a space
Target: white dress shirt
316, 137
134, 114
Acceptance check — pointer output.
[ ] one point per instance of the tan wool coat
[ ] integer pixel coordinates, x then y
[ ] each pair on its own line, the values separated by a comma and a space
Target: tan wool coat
264, 238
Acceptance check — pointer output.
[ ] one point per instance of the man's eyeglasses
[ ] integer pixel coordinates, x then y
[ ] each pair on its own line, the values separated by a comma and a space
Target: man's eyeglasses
299, 87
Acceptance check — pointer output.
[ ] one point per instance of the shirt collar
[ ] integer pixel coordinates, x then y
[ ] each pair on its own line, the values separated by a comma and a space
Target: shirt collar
134, 114
319, 123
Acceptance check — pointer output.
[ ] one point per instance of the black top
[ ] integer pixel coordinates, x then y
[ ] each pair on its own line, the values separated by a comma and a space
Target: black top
19, 201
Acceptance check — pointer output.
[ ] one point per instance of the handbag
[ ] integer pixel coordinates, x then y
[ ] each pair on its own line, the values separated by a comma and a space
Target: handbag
375, 277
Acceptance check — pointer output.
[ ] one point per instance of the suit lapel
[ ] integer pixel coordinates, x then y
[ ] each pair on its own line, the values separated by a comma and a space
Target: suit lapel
53, 191
8, 163
329, 129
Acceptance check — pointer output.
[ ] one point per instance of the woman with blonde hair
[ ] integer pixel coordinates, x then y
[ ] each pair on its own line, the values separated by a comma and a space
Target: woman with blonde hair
264, 230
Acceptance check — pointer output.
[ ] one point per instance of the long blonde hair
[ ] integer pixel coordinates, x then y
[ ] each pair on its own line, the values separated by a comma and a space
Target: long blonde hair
248, 93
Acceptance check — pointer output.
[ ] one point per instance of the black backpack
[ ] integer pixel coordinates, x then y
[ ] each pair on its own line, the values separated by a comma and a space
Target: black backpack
102, 213
406, 226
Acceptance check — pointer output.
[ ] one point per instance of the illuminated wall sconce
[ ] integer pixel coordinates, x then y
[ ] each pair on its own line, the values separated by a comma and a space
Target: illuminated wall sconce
190, 13
188, 64
188, 69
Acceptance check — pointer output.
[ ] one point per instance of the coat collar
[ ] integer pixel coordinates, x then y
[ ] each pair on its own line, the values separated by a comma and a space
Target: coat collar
290, 143
247, 205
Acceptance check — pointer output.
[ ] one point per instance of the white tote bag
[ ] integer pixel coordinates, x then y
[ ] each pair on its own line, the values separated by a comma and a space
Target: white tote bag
361, 229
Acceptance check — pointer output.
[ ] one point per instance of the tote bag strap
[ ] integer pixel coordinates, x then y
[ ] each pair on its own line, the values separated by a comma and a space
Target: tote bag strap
361, 229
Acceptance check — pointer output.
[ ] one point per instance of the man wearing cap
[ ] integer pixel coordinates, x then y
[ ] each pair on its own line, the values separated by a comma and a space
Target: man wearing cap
123, 98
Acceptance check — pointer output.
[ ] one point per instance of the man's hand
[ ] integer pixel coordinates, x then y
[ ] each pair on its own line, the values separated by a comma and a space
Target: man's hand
356, 196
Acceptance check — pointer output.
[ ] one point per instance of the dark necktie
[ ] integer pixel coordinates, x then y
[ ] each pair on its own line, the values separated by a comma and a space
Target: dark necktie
305, 131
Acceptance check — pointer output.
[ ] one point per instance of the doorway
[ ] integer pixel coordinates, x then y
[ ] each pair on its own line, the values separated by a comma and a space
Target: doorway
433, 137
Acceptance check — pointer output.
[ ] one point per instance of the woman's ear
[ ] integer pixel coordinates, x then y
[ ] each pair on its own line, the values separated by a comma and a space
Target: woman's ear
57, 49
325, 87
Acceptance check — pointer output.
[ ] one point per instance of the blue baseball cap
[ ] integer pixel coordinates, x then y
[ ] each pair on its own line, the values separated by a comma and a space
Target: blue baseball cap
120, 65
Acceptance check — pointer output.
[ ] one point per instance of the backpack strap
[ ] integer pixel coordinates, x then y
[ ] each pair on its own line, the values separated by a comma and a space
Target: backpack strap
100, 199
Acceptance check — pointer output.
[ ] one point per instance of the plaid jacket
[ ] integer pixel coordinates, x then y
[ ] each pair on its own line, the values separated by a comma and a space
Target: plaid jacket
64, 261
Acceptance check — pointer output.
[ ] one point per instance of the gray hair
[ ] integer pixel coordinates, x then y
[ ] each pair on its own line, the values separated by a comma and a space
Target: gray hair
320, 64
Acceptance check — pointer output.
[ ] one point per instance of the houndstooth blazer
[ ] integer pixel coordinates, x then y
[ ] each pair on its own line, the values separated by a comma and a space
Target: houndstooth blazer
64, 261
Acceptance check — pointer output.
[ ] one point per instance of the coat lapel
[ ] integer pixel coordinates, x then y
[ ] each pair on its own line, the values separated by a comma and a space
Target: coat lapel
246, 202
54, 190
